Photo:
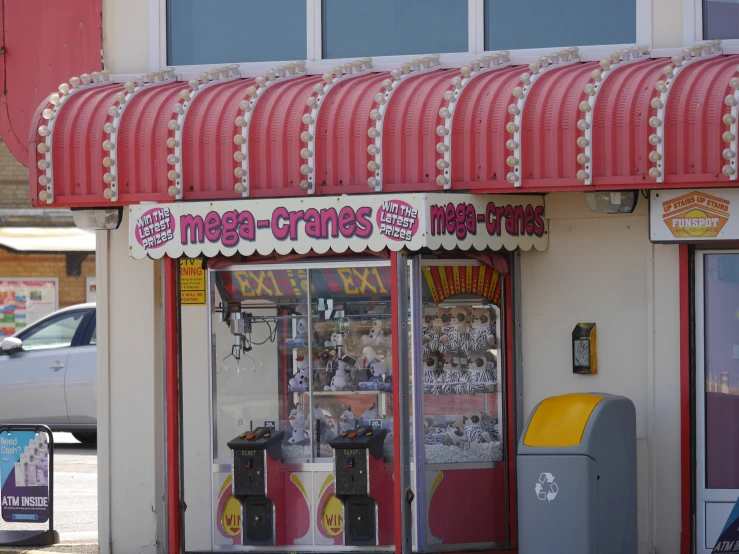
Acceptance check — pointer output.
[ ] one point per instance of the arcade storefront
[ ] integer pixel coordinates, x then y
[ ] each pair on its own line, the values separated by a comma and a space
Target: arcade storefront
338, 256
361, 372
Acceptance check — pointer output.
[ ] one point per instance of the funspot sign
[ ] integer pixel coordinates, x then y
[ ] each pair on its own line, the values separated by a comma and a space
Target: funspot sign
339, 224
693, 215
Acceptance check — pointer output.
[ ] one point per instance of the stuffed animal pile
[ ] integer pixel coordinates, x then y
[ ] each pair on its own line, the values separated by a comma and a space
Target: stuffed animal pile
457, 344
337, 365
473, 427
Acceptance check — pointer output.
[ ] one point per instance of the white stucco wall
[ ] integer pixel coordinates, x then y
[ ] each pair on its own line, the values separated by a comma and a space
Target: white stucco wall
130, 399
604, 270
197, 448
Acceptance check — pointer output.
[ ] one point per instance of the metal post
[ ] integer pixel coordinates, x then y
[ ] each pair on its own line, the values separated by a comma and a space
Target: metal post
401, 394
417, 398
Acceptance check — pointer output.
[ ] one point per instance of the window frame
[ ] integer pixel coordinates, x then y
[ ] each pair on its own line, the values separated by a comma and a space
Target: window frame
693, 27
317, 65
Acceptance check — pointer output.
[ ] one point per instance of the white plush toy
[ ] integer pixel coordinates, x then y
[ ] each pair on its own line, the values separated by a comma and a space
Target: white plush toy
301, 334
337, 340
482, 377
473, 429
482, 335
370, 413
300, 379
376, 336
328, 425
379, 370
341, 379
347, 421
431, 375
297, 422
368, 356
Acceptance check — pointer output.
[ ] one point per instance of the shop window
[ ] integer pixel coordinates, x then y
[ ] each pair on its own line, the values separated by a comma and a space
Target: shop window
235, 31
539, 24
720, 19
357, 28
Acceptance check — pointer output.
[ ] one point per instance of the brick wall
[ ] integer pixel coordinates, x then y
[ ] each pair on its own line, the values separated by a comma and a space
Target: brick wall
72, 290
13, 181
14, 194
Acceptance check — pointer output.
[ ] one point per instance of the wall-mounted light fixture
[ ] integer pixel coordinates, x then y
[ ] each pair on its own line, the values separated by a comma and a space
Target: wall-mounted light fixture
98, 218
584, 351
612, 202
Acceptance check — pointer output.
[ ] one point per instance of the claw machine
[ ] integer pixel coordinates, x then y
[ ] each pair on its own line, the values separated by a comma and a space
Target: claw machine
460, 406
301, 352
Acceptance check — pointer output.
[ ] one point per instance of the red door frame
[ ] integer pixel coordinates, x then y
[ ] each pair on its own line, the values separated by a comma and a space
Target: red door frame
172, 425
686, 430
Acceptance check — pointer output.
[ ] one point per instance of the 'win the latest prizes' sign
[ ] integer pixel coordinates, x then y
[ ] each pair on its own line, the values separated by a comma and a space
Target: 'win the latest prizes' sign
24, 472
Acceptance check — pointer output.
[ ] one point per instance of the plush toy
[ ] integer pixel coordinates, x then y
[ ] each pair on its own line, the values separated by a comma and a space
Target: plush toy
378, 379
341, 379
347, 421
431, 375
321, 373
457, 330
455, 435
376, 336
452, 374
297, 422
446, 328
473, 429
300, 339
481, 373
325, 421
370, 413
379, 370
482, 334
430, 332
299, 381
368, 356
433, 434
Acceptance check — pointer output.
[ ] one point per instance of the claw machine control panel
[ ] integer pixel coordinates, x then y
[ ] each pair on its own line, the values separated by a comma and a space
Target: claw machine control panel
360, 474
257, 460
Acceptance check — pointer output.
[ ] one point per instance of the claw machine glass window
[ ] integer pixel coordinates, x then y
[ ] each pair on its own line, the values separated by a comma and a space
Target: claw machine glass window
460, 406
307, 351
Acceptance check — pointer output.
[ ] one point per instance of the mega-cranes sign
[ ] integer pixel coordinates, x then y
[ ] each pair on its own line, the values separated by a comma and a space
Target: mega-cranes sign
339, 224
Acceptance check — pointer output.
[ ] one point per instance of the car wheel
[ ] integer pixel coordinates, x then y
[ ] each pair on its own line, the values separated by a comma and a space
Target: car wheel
89, 437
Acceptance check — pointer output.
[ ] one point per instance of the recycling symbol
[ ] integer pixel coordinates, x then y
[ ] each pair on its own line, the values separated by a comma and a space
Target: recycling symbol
546, 488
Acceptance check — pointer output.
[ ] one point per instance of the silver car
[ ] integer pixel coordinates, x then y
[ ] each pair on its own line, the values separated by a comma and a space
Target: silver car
48, 373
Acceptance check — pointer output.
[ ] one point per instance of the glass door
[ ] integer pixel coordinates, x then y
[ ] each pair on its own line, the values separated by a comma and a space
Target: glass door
459, 406
717, 392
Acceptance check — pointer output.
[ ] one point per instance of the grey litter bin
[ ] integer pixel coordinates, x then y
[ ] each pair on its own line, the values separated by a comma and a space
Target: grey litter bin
577, 476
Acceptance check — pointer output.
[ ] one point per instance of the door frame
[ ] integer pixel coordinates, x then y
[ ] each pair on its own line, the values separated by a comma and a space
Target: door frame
701, 493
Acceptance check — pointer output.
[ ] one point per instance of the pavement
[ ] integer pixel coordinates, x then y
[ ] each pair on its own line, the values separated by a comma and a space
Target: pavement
75, 500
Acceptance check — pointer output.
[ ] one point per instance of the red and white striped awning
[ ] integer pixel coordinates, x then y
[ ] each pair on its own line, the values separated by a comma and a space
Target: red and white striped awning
628, 122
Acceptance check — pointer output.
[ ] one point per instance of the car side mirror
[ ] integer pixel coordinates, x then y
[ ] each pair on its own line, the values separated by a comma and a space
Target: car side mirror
12, 345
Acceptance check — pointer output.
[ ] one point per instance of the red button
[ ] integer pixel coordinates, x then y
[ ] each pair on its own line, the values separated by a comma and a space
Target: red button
353, 436
250, 436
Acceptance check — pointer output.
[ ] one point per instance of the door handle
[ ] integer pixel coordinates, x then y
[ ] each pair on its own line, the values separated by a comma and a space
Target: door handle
56, 365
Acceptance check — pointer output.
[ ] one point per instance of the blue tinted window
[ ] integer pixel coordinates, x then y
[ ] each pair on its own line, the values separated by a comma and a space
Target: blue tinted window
519, 24
359, 28
230, 31
720, 19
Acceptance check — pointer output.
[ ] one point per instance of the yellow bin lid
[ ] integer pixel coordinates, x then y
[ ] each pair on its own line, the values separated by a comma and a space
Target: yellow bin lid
560, 421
